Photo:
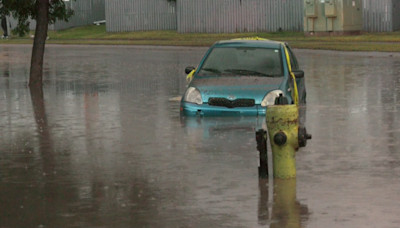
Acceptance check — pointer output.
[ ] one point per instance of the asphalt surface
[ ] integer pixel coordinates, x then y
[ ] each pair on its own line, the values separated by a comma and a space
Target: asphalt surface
107, 147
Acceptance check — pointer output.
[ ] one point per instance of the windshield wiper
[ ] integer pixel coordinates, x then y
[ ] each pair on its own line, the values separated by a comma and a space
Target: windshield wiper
247, 72
211, 70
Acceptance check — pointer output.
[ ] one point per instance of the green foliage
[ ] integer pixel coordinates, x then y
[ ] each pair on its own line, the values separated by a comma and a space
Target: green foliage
23, 10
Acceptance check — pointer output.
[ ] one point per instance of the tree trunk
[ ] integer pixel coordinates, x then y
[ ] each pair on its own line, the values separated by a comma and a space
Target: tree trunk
42, 24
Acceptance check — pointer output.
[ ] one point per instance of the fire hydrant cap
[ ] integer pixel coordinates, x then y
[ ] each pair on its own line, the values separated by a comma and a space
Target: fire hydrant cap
280, 138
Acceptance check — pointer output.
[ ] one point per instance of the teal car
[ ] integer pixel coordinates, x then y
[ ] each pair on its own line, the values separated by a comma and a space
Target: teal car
242, 77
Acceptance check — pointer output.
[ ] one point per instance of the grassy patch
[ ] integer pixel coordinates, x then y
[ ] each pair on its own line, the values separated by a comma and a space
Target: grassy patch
348, 46
99, 32
93, 34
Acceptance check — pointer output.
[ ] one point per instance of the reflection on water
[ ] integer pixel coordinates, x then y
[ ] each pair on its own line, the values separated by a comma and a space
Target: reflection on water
104, 145
212, 130
286, 210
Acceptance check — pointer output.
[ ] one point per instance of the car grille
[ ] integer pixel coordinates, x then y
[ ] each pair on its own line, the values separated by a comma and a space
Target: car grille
214, 101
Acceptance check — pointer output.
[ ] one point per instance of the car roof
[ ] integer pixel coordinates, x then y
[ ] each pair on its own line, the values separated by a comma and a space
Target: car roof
249, 42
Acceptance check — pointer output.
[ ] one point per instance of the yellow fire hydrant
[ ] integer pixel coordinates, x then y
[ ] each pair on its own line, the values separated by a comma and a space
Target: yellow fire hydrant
285, 136
283, 128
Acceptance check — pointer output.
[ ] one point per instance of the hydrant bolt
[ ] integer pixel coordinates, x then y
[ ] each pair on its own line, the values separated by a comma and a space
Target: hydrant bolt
303, 137
280, 138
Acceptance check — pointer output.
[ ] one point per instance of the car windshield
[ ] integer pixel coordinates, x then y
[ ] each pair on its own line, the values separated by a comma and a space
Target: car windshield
248, 61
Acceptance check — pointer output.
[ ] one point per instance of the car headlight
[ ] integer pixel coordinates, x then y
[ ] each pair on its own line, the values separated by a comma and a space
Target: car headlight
270, 98
193, 95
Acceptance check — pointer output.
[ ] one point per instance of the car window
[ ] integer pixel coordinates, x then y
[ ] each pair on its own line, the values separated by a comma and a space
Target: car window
293, 60
224, 61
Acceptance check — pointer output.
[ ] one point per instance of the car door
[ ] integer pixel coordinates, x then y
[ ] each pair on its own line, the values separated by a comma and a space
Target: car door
300, 81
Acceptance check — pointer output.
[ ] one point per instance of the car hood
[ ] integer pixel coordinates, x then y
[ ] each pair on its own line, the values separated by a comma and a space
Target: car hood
237, 87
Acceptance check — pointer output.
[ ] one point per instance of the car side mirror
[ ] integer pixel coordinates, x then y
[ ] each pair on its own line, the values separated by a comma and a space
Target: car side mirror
298, 73
189, 69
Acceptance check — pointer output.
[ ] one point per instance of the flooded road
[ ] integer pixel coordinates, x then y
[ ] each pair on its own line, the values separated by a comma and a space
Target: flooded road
107, 147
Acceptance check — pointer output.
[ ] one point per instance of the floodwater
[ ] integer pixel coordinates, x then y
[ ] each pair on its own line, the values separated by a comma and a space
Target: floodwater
107, 147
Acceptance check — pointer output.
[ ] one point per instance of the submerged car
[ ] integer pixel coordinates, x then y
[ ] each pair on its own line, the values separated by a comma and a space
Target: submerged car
241, 77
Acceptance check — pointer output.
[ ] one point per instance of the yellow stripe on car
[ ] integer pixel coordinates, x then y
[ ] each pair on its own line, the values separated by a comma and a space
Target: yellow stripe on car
250, 38
295, 93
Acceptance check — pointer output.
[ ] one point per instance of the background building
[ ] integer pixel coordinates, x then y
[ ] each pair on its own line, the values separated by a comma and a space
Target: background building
216, 16
140, 15
381, 15
86, 12
204, 16
230, 16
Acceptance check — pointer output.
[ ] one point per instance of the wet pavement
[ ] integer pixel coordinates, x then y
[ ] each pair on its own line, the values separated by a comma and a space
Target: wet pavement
107, 147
